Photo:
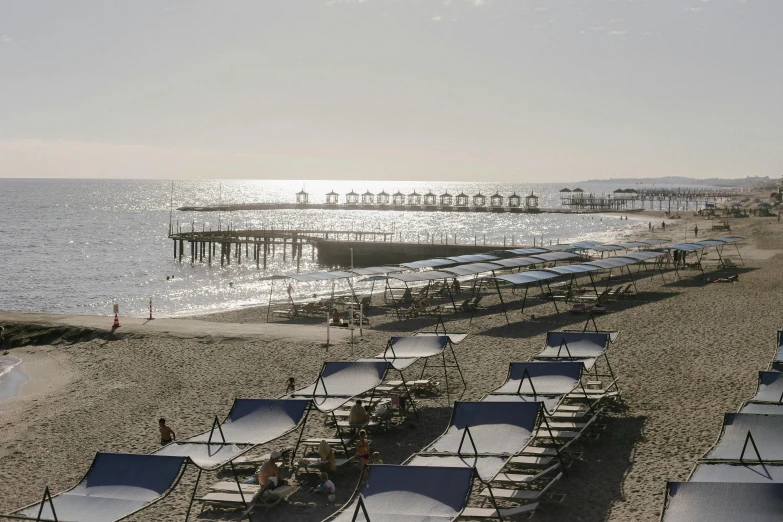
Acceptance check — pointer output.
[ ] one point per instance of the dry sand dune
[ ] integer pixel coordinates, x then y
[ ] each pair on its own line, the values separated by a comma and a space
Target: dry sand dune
687, 352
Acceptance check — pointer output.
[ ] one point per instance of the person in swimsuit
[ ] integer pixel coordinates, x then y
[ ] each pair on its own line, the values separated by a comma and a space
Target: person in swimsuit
363, 451
167, 435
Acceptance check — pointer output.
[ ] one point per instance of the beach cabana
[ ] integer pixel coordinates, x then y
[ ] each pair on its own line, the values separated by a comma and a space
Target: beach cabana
398, 199
539, 381
368, 198
496, 200
402, 352
722, 502
430, 199
302, 197
462, 199
446, 200
479, 200
249, 423
382, 198
414, 199
332, 198
747, 437
115, 486
531, 201
352, 198
514, 201
408, 494
737, 472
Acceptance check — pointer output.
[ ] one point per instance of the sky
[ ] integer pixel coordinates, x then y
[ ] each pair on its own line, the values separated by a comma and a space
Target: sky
462, 90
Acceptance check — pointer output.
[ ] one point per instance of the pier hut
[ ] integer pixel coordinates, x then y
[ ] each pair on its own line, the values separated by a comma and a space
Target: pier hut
332, 198
514, 201
352, 198
446, 200
414, 199
479, 200
302, 197
368, 198
430, 199
398, 199
531, 202
496, 200
462, 199
383, 198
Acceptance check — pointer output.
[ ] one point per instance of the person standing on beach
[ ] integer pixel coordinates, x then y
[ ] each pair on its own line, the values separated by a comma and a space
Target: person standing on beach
663, 225
696, 231
167, 435
649, 226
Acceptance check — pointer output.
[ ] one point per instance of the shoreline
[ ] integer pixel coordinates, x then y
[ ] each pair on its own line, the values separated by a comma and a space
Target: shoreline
12, 379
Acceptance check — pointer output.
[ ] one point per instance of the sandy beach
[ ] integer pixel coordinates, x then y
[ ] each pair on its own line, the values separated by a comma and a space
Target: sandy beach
688, 351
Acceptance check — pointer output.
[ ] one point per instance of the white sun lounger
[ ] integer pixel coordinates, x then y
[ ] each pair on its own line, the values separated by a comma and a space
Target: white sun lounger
477, 512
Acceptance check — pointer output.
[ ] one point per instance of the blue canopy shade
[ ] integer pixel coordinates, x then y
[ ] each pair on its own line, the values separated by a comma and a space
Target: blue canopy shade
762, 408
687, 247
643, 255
541, 377
416, 346
767, 432
575, 344
257, 421
427, 275
613, 262
340, 381
472, 258
205, 456
633, 244
723, 502
555, 256
411, 494
516, 262
586, 244
607, 248
495, 428
486, 466
770, 388
556, 248
473, 268
730, 239
376, 270
737, 472
710, 243
115, 486
550, 402
573, 269
428, 263
527, 277
654, 242
527, 251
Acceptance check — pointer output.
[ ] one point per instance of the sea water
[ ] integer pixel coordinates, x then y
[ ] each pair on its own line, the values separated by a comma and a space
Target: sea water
78, 246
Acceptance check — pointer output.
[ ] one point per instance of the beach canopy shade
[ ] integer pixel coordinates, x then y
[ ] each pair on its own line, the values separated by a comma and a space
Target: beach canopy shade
633, 244
730, 239
455, 338
428, 263
205, 456
607, 248
653, 242
766, 431
556, 248
578, 344
321, 276
487, 466
410, 494
737, 472
115, 486
402, 352
376, 270
516, 262
340, 381
586, 244
541, 378
612, 262
770, 388
496, 428
710, 243
555, 256
550, 402
687, 247
643, 255
472, 258
763, 409
527, 251
428, 275
527, 277
257, 421
723, 502
473, 268
573, 269
779, 354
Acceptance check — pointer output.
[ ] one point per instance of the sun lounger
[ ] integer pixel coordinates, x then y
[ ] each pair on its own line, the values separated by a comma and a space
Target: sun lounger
260, 499
722, 502
522, 495
525, 478
479, 512
732, 445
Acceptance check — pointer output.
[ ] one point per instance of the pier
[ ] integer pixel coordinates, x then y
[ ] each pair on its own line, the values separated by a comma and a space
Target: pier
625, 200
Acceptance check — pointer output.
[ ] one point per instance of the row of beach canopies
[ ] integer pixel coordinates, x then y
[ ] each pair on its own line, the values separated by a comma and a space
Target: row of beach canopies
741, 476
428, 200
525, 261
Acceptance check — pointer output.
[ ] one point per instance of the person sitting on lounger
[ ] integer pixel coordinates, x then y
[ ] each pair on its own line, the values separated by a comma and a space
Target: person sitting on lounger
269, 474
167, 435
455, 286
326, 487
326, 453
358, 414
337, 319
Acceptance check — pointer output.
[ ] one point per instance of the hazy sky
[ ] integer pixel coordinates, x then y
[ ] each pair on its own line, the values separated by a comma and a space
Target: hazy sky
484, 90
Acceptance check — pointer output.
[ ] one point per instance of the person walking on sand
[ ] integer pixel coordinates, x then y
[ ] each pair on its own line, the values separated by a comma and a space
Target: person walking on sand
663, 225
696, 231
167, 435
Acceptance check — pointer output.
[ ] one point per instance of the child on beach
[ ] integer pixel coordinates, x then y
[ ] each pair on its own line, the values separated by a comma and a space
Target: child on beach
326, 487
167, 435
376, 458
291, 385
